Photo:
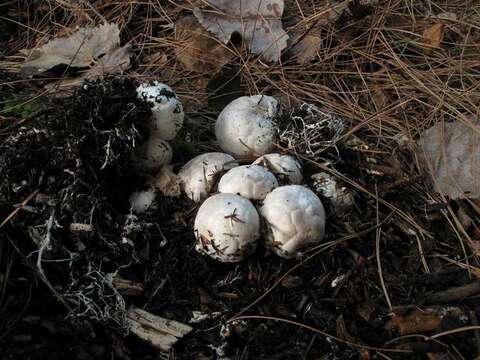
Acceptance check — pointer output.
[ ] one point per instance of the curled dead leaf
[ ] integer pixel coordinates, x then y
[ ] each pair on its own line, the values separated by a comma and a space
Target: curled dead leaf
257, 21
432, 37
81, 49
306, 48
306, 42
96, 51
452, 154
113, 63
379, 98
199, 50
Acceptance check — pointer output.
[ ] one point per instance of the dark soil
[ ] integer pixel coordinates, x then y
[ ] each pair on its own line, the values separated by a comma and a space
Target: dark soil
61, 156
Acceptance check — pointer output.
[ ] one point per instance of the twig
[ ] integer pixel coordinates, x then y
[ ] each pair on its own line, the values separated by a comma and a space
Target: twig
22, 205
327, 335
454, 294
450, 332
474, 320
377, 255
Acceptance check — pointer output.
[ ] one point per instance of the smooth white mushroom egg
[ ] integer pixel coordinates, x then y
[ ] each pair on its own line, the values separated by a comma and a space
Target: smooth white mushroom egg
294, 219
153, 154
167, 110
198, 176
285, 167
227, 228
247, 125
141, 201
250, 181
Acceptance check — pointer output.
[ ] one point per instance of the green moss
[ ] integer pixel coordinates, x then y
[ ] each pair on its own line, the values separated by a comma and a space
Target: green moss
21, 107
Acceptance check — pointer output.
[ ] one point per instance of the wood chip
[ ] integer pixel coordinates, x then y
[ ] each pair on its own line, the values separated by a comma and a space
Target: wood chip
126, 287
159, 332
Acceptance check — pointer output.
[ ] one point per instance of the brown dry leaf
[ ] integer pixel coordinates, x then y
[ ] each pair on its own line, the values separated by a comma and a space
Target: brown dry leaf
199, 50
306, 49
81, 49
452, 152
257, 21
307, 42
421, 320
112, 63
379, 98
432, 37
364, 354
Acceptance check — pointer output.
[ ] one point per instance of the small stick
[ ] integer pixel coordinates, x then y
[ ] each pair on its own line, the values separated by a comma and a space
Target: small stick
474, 320
453, 294
377, 256
22, 205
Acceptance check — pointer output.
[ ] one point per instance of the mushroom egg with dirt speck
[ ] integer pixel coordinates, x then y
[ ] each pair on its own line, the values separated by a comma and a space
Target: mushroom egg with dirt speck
294, 220
285, 167
167, 110
250, 181
153, 154
198, 176
227, 228
330, 188
247, 125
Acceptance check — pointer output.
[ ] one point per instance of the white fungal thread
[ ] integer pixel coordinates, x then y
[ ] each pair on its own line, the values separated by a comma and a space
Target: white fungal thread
311, 130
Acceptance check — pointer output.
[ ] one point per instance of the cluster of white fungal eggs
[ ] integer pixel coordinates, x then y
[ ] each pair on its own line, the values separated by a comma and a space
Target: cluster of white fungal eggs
239, 203
156, 153
264, 199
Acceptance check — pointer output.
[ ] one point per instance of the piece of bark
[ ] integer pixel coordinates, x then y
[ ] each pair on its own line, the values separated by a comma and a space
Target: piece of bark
159, 332
126, 287
421, 320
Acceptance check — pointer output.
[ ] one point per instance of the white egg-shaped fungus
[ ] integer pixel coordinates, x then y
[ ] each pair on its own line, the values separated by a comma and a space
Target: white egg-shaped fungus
329, 187
143, 200
198, 176
166, 182
227, 228
294, 220
153, 154
286, 168
167, 110
250, 181
247, 125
